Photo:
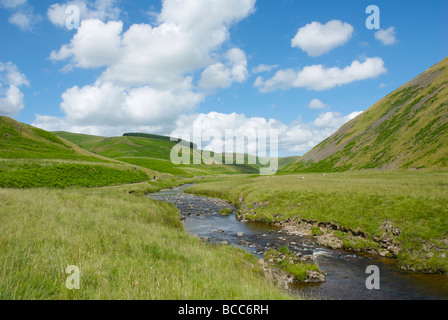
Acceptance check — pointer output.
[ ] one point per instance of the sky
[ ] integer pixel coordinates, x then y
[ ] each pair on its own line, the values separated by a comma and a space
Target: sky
302, 67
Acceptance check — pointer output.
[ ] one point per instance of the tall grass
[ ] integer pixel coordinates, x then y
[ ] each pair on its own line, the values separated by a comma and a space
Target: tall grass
414, 202
126, 246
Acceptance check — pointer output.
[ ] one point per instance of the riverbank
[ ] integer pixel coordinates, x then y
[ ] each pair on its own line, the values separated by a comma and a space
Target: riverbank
403, 215
125, 246
346, 272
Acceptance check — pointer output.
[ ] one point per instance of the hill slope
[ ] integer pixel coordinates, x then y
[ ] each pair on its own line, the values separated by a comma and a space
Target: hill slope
153, 152
150, 152
31, 157
406, 129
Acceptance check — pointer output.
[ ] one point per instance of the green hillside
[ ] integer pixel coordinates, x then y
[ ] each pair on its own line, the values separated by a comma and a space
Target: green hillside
153, 152
408, 129
31, 157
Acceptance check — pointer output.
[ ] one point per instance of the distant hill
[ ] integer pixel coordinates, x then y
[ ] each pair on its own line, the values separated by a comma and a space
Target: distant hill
31, 157
155, 137
150, 151
153, 152
408, 129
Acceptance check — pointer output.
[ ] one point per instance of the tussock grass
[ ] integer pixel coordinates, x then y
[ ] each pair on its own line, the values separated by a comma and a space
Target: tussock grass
126, 246
414, 202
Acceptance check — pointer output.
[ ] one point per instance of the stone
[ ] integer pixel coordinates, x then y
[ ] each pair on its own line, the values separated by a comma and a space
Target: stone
224, 243
240, 234
308, 258
315, 277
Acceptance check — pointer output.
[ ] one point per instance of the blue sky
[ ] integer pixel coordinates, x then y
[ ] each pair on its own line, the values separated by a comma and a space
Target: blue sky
158, 66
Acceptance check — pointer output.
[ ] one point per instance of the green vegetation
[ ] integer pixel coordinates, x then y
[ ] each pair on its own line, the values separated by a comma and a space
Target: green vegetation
31, 157
416, 203
226, 212
156, 137
316, 231
408, 129
153, 152
126, 246
285, 260
20, 141
31, 174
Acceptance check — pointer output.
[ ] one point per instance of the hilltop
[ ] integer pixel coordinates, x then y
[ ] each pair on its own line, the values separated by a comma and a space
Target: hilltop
408, 129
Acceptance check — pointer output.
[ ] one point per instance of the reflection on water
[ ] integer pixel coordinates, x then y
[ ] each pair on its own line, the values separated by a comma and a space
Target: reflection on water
346, 272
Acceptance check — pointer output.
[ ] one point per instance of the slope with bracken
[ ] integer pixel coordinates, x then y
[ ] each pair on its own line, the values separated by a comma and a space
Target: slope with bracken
408, 129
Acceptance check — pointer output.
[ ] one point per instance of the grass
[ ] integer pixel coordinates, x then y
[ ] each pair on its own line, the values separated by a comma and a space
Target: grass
414, 202
20, 141
408, 129
126, 246
285, 260
32, 174
153, 152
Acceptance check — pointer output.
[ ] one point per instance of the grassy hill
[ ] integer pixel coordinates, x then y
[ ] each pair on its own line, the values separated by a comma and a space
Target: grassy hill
407, 129
31, 157
153, 152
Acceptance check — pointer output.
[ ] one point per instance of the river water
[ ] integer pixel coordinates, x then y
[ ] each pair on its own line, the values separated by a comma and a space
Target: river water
346, 271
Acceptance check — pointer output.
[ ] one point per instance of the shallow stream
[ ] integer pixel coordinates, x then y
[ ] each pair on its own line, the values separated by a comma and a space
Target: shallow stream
346, 271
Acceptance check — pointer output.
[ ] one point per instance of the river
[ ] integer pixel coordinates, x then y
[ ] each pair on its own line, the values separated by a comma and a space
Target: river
346, 271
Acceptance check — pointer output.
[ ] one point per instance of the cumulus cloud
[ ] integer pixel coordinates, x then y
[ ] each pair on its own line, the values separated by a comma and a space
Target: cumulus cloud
21, 20
387, 37
23, 15
95, 44
219, 75
99, 9
317, 77
317, 39
264, 68
147, 80
12, 3
295, 138
11, 98
317, 104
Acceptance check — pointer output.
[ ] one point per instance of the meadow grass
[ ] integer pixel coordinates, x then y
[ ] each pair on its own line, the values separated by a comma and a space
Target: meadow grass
61, 174
126, 246
414, 202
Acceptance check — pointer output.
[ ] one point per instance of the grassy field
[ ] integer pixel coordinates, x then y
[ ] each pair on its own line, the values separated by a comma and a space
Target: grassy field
414, 202
126, 246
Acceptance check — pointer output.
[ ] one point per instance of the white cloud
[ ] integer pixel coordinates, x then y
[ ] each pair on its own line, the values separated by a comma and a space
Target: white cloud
264, 68
95, 44
333, 120
98, 9
12, 3
295, 138
22, 20
317, 77
317, 104
219, 75
148, 76
317, 39
22, 16
11, 98
387, 37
